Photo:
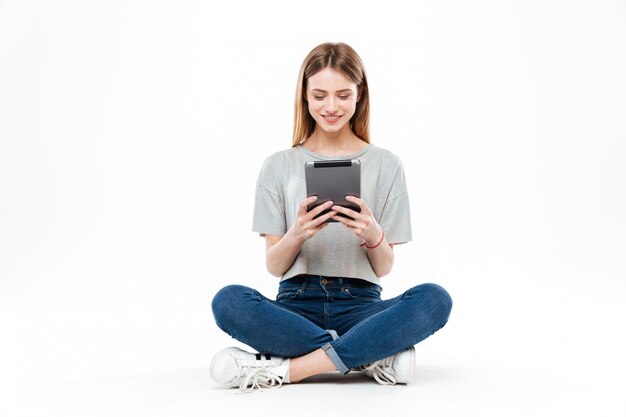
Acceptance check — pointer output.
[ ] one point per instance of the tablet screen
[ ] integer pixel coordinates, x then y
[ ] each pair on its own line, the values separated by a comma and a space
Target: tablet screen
333, 180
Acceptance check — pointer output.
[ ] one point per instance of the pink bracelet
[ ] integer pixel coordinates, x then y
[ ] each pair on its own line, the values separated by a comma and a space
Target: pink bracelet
376, 245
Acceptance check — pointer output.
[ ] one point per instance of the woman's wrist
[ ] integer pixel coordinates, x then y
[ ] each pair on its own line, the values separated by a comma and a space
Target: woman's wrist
376, 244
295, 238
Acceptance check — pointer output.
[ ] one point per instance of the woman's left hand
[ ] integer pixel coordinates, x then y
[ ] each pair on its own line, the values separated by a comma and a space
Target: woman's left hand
364, 225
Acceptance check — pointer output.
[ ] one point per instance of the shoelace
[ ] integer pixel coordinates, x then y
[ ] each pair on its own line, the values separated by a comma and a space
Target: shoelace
382, 370
253, 377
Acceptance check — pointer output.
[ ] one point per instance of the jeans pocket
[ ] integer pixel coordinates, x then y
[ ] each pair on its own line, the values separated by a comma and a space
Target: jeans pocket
371, 293
287, 293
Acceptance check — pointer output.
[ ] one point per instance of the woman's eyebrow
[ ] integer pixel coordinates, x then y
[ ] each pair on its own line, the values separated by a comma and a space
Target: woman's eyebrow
324, 91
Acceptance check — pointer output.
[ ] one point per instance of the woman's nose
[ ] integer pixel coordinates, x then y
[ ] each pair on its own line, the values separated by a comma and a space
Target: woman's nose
331, 104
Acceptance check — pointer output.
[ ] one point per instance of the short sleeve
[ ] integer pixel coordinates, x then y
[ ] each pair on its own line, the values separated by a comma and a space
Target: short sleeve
269, 208
395, 219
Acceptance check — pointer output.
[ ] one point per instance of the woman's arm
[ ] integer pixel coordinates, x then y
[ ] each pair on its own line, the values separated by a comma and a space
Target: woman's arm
363, 223
281, 251
381, 257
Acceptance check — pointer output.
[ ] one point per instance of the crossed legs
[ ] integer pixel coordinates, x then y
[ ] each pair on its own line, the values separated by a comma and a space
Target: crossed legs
388, 327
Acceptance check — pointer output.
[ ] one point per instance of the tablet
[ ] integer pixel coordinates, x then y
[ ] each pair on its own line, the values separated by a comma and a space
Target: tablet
333, 180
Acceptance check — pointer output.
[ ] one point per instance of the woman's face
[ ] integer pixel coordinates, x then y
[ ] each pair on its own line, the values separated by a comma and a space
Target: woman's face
332, 99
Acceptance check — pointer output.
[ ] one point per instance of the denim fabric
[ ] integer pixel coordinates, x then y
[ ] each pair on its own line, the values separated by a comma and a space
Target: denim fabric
309, 307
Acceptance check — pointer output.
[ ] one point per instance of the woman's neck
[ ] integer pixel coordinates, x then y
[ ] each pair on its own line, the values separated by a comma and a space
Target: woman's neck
335, 143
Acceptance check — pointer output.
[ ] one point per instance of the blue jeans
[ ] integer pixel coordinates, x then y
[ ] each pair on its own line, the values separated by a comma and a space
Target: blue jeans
344, 316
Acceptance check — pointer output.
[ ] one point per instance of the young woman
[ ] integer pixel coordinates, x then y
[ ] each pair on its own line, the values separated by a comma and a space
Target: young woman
328, 313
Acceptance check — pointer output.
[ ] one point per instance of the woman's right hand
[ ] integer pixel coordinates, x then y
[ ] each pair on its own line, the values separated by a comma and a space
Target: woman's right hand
305, 227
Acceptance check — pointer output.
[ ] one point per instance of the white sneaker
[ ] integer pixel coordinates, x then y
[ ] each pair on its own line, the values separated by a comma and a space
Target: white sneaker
237, 368
396, 369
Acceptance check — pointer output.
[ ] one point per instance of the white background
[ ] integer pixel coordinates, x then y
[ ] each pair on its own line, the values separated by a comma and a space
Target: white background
131, 136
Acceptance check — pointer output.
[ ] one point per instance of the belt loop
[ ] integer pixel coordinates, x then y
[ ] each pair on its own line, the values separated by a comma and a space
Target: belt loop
304, 282
340, 279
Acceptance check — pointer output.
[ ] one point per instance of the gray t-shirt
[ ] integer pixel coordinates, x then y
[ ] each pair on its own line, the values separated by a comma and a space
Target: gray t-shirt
335, 250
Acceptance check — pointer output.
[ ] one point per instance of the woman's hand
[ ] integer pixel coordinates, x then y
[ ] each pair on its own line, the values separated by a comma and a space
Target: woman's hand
364, 224
305, 227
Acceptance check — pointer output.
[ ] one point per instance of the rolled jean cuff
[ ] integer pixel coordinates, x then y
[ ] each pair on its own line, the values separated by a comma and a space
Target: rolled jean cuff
330, 351
333, 334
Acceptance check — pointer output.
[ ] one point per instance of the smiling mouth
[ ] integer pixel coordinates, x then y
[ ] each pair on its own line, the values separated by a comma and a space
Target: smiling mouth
331, 117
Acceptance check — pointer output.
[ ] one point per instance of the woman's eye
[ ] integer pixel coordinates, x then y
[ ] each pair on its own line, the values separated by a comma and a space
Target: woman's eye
322, 97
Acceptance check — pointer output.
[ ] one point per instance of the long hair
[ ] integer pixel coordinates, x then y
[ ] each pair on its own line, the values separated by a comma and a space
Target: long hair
342, 58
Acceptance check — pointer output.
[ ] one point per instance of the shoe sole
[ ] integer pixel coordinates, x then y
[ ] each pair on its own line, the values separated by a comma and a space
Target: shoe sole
412, 376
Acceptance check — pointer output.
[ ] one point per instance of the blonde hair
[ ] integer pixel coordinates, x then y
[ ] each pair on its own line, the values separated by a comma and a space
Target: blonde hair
342, 58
